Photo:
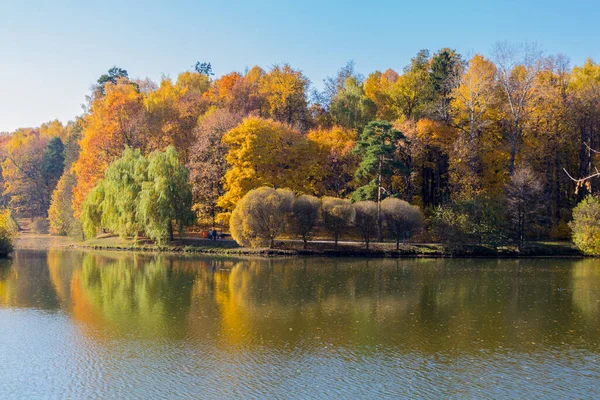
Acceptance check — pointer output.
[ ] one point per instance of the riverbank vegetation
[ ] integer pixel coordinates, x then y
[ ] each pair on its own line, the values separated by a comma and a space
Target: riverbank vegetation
465, 152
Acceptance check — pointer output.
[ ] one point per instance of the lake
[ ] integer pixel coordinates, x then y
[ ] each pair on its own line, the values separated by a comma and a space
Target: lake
116, 325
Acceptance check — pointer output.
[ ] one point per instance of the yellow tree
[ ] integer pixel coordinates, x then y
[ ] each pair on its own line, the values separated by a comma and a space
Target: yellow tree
471, 104
266, 153
377, 87
284, 90
115, 121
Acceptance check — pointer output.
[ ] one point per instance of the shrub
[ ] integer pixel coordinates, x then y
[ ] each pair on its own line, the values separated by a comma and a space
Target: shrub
365, 219
401, 218
260, 216
40, 225
8, 230
586, 225
305, 214
338, 215
468, 222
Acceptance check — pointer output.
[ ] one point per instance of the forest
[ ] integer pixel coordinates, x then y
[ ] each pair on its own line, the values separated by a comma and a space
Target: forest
491, 149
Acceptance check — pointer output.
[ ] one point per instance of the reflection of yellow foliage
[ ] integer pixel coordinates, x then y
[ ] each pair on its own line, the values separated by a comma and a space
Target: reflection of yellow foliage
586, 288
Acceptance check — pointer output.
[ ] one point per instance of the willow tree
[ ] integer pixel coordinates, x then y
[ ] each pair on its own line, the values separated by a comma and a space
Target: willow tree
165, 197
379, 148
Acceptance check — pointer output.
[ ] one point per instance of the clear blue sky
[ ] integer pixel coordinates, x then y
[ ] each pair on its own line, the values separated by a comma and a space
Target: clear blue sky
52, 51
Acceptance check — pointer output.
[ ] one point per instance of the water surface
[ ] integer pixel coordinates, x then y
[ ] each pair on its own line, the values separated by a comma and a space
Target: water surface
116, 325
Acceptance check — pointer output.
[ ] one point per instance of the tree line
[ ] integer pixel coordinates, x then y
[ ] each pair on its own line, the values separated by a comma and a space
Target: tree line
480, 145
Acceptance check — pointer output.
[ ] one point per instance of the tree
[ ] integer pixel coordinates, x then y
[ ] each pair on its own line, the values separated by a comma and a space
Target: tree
401, 218
60, 214
336, 160
586, 225
264, 152
350, 107
524, 198
446, 66
284, 90
116, 120
378, 148
472, 100
518, 67
260, 216
208, 163
338, 215
113, 75
304, 217
365, 219
53, 162
165, 196
203, 68
24, 183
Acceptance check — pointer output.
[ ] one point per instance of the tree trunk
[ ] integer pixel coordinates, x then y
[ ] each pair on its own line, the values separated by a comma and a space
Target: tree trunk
305, 244
171, 231
379, 231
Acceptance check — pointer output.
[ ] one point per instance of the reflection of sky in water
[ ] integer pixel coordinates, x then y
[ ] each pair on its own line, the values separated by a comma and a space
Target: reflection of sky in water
99, 324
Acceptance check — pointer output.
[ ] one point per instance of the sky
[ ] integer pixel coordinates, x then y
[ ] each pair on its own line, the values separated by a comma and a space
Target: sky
51, 52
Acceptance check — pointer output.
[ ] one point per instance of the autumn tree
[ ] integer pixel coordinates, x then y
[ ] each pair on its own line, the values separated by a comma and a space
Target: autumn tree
24, 180
264, 152
284, 90
366, 219
208, 163
350, 107
338, 215
304, 216
401, 218
115, 121
524, 198
445, 69
517, 69
53, 163
260, 216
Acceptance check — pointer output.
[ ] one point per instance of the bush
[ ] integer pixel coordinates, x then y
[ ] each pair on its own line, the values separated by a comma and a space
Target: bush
338, 215
305, 214
40, 225
586, 225
401, 218
8, 230
260, 216
365, 219
469, 222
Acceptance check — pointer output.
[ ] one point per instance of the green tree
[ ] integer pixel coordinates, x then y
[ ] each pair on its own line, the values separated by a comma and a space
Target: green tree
350, 107
53, 162
165, 196
379, 151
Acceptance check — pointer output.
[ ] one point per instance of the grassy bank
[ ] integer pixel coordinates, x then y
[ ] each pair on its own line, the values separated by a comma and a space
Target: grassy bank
295, 248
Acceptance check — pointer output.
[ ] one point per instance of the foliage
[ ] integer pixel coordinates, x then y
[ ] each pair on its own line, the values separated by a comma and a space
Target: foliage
338, 215
586, 225
260, 216
365, 219
60, 214
401, 218
468, 222
139, 194
304, 216
264, 152
165, 196
8, 231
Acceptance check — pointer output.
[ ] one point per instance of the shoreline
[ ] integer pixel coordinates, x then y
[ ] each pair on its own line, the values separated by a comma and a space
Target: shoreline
555, 250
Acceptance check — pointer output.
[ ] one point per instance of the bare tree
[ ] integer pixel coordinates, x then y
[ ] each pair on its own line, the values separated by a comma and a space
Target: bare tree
366, 219
523, 194
305, 214
338, 215
401, 218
